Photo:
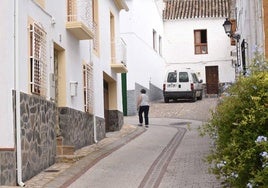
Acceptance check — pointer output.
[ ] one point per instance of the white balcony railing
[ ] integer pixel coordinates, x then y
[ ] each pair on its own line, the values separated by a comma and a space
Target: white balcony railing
119, 53
80, 14
119, 56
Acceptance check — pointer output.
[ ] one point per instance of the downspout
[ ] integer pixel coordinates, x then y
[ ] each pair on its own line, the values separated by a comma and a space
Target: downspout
17, 90
94, 117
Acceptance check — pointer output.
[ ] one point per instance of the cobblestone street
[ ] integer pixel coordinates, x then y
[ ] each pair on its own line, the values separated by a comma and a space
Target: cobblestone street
199, 110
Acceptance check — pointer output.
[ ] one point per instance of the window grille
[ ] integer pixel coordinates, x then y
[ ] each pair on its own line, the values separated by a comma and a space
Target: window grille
88, 88
38, 61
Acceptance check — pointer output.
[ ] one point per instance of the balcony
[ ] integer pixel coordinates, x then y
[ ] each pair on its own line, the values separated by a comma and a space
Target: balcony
121, 4
80, 19
119, 67
118, 64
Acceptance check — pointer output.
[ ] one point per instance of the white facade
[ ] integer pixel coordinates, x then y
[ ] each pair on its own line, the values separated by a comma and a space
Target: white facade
179, 47
7, 77
52, 19
250, 25
145, 65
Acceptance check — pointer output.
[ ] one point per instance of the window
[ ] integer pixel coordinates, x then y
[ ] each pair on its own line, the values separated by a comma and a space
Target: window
160, 45
200, 41
183, 77
88, 88
172, 77
38, 66
154, 39
112, 38
195, 79
233, 29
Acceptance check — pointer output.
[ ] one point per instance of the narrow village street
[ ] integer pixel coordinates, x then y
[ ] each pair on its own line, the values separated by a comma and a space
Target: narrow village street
169, 154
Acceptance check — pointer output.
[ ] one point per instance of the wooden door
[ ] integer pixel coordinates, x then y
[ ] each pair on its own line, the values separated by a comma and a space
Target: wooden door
212, 79
54, 79
106, 104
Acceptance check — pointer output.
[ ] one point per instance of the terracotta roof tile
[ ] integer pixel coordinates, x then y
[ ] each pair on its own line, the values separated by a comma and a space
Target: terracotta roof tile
185, 9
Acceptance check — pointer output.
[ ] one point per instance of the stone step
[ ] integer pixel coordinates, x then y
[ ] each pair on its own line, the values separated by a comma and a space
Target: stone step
65, 150
68, 158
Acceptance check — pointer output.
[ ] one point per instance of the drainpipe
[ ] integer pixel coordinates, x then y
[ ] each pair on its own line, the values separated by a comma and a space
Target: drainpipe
17, 90
95, 128
94, 117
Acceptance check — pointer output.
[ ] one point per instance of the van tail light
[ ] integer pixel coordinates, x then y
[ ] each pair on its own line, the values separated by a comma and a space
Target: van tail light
192, 86
164, 87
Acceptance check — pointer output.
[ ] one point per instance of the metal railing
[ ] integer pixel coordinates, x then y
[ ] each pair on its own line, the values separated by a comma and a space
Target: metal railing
119, 53
80, 10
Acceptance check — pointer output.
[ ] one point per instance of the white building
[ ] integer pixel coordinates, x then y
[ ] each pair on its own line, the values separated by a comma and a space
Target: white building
195, 38
60, 80
142, 30
250, 19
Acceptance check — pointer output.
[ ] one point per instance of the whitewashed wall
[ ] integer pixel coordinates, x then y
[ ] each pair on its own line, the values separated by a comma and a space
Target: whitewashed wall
144, 64
76, 52
7, 74
179, 47
250, 25
102, 63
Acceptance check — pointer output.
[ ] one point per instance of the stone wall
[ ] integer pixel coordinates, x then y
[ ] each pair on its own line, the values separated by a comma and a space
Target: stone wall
116, 120
38, 135
77, 127
7, 167
100, 128
38, 138
154, 93
131, 103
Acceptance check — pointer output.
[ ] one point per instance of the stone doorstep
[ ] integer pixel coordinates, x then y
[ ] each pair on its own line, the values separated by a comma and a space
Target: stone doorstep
65, 150
68, 158
211, 95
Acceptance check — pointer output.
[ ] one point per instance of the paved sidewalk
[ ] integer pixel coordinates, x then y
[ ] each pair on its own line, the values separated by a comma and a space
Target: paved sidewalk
58, 174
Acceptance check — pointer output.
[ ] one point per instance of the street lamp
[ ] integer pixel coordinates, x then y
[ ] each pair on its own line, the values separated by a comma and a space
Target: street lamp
228, 30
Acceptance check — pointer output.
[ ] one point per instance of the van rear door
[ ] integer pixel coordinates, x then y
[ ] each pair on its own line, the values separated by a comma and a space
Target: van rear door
184, 84
172, 81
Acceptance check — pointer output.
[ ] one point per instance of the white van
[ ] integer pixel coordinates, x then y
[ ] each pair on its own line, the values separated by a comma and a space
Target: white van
182, 84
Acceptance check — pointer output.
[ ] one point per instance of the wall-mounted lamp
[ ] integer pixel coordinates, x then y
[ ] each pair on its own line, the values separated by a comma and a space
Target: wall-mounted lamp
228, 30
73, 88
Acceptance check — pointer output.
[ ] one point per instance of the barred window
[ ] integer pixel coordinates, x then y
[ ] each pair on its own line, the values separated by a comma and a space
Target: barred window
38, 62
88, 87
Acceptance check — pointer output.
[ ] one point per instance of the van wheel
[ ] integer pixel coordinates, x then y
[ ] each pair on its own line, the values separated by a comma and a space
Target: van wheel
166, 100
201, 96
194, 97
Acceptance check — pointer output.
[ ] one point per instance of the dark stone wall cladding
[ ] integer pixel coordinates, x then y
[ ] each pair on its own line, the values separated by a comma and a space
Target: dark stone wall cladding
100, 128
7, 168
76, 127
38, 138
116, 120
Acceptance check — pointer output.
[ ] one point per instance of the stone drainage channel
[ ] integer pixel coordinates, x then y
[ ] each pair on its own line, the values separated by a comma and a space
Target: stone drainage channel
157, 170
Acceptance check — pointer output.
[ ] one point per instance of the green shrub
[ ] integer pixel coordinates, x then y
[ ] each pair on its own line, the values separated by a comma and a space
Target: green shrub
239, 128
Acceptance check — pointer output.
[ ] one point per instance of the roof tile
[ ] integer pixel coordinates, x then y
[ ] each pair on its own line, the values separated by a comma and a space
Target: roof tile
186, 9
